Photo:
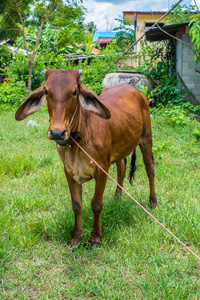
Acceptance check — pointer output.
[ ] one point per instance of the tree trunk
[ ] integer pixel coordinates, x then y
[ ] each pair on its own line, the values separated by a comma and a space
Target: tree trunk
30, 67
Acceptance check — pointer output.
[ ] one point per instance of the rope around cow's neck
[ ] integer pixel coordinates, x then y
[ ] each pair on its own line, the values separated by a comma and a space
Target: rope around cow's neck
72, 119
93, 161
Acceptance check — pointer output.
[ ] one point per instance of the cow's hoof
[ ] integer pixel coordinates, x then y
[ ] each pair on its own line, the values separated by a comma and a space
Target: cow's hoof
70, 250
93, 245
152, 203
72, 247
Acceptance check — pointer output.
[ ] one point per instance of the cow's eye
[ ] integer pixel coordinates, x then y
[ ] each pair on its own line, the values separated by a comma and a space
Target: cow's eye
75, 93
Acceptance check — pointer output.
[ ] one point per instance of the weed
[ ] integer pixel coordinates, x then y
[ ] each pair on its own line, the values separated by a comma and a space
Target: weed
144, 89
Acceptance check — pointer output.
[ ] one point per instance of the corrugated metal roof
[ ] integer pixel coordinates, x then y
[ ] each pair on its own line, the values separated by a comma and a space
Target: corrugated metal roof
156, 34
104, 40
144, 12
105, 34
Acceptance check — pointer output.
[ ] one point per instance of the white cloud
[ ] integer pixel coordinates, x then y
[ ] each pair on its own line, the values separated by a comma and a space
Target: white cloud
104, 12
101, 13
197, 2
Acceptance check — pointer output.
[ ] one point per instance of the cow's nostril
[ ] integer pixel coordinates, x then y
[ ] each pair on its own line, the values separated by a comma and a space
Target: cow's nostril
57, 135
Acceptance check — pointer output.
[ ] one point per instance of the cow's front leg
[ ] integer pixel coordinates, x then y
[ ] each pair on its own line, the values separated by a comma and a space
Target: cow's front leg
96, 204
76, 196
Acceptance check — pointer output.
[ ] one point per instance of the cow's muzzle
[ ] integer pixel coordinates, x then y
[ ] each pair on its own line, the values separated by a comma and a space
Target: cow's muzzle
57, 135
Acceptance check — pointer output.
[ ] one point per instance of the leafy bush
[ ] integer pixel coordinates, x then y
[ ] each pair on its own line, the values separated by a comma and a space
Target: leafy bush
13, 93
18, 71
158, 63
196, 133
144, 90
94, 73
179, 116
176, 115
167, 91
180, 14
190, 108
195, 35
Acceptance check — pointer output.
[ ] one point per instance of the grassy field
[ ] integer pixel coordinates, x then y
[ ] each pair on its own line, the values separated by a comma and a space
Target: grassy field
137, 259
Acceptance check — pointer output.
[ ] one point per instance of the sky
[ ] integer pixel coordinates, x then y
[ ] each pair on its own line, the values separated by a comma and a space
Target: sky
104, 12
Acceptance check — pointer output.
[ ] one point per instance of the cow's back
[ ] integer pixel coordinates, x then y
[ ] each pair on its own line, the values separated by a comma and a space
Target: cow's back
127, 107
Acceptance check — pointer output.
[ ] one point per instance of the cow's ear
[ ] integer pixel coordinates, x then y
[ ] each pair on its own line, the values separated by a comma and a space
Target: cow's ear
91, 102
34, 101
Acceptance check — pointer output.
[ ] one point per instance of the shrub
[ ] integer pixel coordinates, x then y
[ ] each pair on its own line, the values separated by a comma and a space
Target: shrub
13, 93
18, 71
158, 63
94, 73
176, 115
196, 133
144, 90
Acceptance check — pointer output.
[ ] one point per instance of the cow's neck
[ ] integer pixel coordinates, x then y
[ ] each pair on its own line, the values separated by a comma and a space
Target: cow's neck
75, 161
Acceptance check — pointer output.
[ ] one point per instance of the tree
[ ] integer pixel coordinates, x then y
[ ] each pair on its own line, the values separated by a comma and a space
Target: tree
195, 35
180, 14
16, 14
125, 34
91, 27
188, 14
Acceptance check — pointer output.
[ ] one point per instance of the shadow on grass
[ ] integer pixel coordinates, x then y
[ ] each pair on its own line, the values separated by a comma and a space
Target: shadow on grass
118, 215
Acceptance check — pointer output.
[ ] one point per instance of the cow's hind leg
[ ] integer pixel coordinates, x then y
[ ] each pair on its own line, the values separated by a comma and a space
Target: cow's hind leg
96, 204
76, 196
121, 170
146, 149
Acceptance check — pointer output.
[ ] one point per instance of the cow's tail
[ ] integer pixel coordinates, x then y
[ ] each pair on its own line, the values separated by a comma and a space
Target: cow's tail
132, 167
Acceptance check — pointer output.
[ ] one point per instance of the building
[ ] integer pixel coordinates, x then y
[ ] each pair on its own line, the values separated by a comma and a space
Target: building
103, 38
187, 69
142, 21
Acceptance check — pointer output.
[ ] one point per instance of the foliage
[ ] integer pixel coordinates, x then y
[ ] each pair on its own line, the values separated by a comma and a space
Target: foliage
144, 90
18, 71
185, 13
7, 9
125, 34
65, 16
91, 27
167, 91
157, 59
191, 109
158, 63
196, 133
180, 14
195, 34
94, 73
13, 93
176, 115
181, 115
137, 259
5, 56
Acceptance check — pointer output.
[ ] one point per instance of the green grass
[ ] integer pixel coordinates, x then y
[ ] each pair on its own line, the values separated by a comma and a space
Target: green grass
137, 259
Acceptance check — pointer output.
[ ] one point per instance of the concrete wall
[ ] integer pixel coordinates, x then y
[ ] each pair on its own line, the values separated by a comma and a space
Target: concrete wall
186, 66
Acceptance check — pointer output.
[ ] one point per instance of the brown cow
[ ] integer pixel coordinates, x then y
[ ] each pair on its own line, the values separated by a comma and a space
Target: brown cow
108, 127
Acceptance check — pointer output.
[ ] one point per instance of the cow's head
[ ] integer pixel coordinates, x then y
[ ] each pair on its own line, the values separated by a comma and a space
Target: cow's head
64, 93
